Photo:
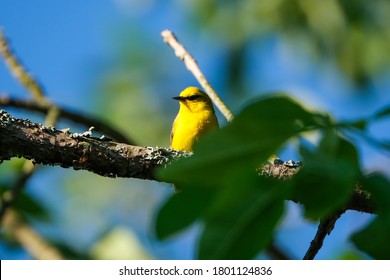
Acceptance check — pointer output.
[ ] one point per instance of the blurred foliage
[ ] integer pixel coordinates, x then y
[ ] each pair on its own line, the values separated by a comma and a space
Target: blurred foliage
351, 256
119, 244
331, 171
355, 34
27, 206
243, 142
127, 94
239, 209
375, 238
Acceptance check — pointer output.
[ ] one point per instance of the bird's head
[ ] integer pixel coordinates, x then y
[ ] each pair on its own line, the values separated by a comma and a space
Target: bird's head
194, 100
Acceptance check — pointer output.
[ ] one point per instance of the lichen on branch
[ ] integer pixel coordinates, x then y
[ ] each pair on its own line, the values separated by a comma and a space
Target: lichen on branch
49, 146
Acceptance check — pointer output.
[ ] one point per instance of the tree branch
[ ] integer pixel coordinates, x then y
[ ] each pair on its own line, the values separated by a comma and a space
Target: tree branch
19, 71
16, 188
38, 94
324, 228
193, 67
68, 114
35, 245
46, 145
359, 201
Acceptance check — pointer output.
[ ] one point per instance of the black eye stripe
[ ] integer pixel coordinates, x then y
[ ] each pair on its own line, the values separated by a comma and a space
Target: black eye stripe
193, 97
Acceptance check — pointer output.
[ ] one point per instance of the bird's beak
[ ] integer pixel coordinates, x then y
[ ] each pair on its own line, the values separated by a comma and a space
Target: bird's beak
182, 101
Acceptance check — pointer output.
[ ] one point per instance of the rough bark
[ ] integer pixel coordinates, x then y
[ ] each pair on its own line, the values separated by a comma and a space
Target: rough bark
46, 145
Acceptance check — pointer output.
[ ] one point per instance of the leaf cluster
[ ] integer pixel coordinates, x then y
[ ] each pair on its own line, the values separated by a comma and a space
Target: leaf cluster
240, 210
354, 34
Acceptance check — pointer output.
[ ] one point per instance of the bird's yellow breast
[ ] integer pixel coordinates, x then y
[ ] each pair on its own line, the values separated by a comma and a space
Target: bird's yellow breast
196, 117
189, 127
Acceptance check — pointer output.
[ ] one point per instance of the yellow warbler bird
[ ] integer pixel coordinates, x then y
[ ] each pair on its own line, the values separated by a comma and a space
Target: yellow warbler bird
195, 118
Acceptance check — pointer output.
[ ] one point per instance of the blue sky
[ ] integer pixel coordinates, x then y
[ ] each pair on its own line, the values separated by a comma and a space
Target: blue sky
68, 45
56, 40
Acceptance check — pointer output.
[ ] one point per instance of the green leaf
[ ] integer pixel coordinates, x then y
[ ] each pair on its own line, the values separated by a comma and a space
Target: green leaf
385, 145
379, 187
383, 113
375, 238
31, 208
254, 135
350, 255
181, 210
328, 177
242, 220
28, 206
360, 124
220, 186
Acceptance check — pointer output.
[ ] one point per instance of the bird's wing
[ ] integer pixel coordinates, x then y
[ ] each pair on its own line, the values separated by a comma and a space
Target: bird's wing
173, 129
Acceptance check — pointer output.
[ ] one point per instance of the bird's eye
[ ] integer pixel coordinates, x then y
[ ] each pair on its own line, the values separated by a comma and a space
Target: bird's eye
193, 97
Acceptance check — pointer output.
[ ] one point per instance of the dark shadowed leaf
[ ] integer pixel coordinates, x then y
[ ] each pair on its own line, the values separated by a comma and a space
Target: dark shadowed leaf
358, 124
181, 210
328, 177
28, 206
383, 113
31, 208
375, 238
243, 218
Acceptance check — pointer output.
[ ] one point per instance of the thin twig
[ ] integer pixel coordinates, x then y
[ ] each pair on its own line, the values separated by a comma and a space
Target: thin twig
76, 117
324, 228
34, 243
38, 94
9, 196
193, 67
19, 72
